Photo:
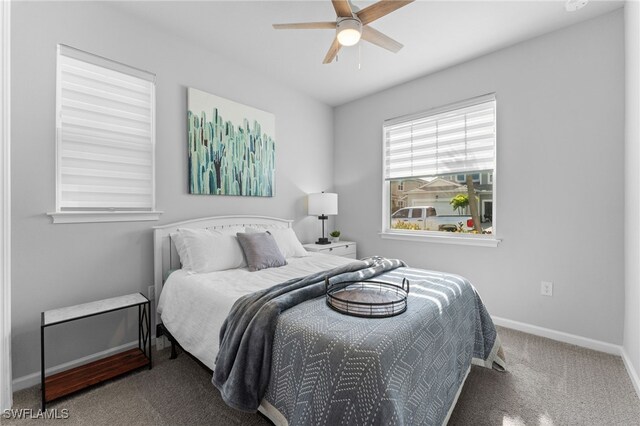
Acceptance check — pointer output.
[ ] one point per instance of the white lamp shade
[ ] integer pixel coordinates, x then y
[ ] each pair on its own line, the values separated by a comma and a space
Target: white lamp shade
323, 203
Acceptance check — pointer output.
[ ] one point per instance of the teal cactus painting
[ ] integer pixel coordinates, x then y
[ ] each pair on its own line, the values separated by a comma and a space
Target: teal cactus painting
231, 147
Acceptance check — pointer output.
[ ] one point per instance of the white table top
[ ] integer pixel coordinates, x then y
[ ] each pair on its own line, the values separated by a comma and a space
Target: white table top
78, 311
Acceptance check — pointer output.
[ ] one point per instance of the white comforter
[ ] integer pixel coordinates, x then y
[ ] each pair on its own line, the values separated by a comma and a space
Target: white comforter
194, 306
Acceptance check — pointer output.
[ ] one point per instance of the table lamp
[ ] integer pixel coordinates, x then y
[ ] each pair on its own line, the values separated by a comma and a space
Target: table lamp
321, 205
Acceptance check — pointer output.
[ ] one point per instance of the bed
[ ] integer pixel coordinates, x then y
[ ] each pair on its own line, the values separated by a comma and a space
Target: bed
323, 367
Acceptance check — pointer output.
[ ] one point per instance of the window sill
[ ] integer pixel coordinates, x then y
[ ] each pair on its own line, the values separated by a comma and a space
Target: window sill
94, 217
429, 237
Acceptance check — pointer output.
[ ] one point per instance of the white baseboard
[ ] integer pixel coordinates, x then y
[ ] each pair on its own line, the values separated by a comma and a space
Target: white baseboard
633, 374
573, 339
560, 336
34, 378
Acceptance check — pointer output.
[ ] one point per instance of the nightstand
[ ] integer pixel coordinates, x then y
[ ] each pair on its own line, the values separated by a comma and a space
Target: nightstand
342, 248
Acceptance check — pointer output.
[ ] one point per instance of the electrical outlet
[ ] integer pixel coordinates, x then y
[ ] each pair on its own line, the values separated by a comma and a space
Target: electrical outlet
152, 292
546, 288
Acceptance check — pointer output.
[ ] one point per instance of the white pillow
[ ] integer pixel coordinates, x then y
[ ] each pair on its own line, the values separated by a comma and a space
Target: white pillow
178, 241
286, 240
201, 250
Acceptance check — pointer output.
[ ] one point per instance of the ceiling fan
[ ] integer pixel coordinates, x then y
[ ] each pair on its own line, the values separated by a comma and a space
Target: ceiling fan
352, 24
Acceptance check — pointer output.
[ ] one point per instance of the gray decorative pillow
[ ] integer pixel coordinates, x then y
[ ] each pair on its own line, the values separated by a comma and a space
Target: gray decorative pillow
261, 250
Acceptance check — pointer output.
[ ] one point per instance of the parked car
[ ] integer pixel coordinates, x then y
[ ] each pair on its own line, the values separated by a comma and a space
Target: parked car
426, 218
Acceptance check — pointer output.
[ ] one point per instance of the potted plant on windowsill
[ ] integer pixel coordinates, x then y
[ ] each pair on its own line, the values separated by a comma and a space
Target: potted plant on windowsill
334, 236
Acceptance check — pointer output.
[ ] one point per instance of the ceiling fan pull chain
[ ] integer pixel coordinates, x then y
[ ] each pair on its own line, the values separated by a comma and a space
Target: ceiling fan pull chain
359, 56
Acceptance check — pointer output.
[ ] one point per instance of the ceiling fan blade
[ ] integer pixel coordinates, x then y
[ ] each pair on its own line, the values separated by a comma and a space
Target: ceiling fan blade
376, 37
333, 51
306, 26
380, 9
343, 8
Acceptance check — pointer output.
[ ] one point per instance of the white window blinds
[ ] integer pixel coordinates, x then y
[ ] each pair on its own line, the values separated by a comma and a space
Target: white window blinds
460, 138
105, 134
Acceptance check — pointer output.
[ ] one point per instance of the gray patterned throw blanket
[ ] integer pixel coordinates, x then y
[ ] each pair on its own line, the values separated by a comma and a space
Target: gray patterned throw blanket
308, 364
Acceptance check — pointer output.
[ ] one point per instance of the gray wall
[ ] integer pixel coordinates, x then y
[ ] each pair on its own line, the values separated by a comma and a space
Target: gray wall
632, 189
59, 265
560, 170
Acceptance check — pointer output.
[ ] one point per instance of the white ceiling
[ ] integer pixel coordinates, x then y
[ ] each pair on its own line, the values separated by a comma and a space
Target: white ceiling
435, 34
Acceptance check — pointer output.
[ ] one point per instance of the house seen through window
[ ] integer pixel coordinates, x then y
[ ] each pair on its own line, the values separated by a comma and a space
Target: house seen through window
439, 170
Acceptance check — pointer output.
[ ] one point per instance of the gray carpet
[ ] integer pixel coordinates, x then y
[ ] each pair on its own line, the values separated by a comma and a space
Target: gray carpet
548, 383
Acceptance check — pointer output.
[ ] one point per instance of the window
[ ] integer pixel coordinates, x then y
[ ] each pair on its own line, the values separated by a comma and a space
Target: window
416, 213
105, 141
462, 178
439, 149
401, 186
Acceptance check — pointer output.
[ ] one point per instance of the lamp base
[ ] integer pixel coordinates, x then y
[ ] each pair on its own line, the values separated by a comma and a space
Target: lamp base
323, 241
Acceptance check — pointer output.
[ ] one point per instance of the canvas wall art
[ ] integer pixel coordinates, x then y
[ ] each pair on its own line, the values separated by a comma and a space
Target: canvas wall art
231, 147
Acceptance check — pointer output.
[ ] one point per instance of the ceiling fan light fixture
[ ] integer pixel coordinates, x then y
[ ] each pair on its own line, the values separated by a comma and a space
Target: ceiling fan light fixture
348, 31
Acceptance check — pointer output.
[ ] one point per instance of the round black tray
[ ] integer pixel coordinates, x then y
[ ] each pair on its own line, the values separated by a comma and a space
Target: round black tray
368, 298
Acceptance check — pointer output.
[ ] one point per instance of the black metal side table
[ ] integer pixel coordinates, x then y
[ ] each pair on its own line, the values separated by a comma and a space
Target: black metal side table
75, 379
